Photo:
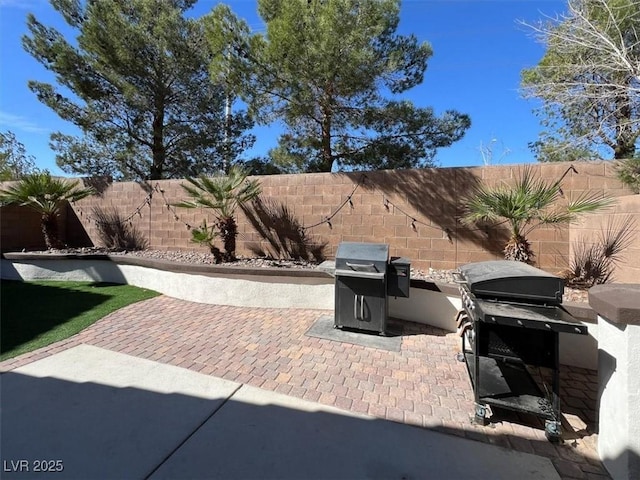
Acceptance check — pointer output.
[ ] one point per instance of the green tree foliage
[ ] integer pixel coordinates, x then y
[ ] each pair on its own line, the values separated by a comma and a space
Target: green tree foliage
530, 203
44, 194
323, 68
140, 90
557, 148
14, 161
628, 172
223, 194
588, 79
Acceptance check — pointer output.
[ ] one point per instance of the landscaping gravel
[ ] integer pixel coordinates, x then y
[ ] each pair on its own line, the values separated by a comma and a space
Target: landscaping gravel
442, 276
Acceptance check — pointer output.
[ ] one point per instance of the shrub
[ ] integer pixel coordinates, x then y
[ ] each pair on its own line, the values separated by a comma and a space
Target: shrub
206, 236
594, 263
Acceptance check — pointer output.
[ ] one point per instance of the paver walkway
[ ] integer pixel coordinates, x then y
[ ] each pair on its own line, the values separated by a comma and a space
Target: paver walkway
422, 384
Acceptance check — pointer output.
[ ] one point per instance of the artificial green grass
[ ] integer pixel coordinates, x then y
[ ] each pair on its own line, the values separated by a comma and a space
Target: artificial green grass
36, 314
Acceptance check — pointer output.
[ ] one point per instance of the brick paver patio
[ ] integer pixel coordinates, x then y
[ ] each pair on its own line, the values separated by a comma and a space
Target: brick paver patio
421, 385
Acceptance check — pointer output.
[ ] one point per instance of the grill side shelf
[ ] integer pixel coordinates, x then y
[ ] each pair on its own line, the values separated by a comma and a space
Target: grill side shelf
554, 319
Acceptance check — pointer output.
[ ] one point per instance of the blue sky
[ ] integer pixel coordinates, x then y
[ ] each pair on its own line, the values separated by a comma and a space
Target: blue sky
479, 51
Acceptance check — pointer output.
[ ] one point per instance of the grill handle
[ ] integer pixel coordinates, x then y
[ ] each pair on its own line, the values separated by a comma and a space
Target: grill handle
355, 307
361, 307
341, 272
367, 267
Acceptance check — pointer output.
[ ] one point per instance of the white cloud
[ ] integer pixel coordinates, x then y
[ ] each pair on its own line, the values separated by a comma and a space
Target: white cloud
9, 121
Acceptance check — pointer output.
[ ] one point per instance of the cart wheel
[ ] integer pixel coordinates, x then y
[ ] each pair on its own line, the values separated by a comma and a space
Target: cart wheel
480, 417
553, 431
482, 421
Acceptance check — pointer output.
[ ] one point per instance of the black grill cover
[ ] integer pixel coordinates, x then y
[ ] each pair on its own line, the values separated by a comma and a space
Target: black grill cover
515, 281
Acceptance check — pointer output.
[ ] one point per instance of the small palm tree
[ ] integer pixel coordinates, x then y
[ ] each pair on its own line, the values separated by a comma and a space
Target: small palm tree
44, 194
527, 205
223, 194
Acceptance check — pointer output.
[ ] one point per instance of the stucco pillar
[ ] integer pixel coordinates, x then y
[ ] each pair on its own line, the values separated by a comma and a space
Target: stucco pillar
618, 309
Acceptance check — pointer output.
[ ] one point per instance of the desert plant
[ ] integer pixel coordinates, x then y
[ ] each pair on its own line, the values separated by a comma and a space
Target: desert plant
206, 235
628, 172
530, 203
115, 232
223, 194
594, 263
44, 194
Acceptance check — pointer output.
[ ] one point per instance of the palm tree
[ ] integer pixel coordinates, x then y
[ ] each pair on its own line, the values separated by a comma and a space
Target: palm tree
529, 204
44, 194
223, 194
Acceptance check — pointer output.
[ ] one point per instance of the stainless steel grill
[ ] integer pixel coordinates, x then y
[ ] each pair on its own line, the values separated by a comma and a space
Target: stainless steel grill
510, 324
364, 277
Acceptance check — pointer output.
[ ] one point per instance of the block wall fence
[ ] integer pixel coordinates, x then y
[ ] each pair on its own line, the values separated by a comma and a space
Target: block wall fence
415, 211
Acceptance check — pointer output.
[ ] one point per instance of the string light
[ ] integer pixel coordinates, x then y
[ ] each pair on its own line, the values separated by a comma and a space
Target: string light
387, 203
348, 200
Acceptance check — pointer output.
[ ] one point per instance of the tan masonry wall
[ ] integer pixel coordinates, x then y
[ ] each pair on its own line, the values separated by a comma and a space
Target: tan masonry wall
415, 211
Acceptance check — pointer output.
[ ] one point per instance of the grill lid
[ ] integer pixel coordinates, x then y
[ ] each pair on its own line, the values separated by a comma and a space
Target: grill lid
512, 280
366, 257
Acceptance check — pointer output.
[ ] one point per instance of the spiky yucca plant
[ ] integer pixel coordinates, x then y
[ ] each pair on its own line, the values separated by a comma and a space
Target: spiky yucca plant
223, 194
594, 262
44, 194
530, 203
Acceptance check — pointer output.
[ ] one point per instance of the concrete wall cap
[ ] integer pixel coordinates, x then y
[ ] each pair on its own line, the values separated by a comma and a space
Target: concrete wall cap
618, 303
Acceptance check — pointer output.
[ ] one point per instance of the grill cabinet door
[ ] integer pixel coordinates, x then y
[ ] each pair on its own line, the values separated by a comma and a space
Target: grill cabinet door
361, 303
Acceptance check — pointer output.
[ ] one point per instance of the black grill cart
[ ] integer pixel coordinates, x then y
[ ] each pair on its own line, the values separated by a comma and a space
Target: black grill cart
510, 325
364, 276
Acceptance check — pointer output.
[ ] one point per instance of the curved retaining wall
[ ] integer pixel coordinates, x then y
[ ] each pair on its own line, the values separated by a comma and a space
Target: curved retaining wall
200, 283
430, 303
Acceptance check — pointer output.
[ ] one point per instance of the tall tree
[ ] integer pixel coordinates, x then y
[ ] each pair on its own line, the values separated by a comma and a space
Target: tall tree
141, 92
14, 161
323, 69
589, 77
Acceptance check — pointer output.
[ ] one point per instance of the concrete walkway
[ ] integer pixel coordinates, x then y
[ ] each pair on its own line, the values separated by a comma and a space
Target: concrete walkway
419, 385
104, 414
